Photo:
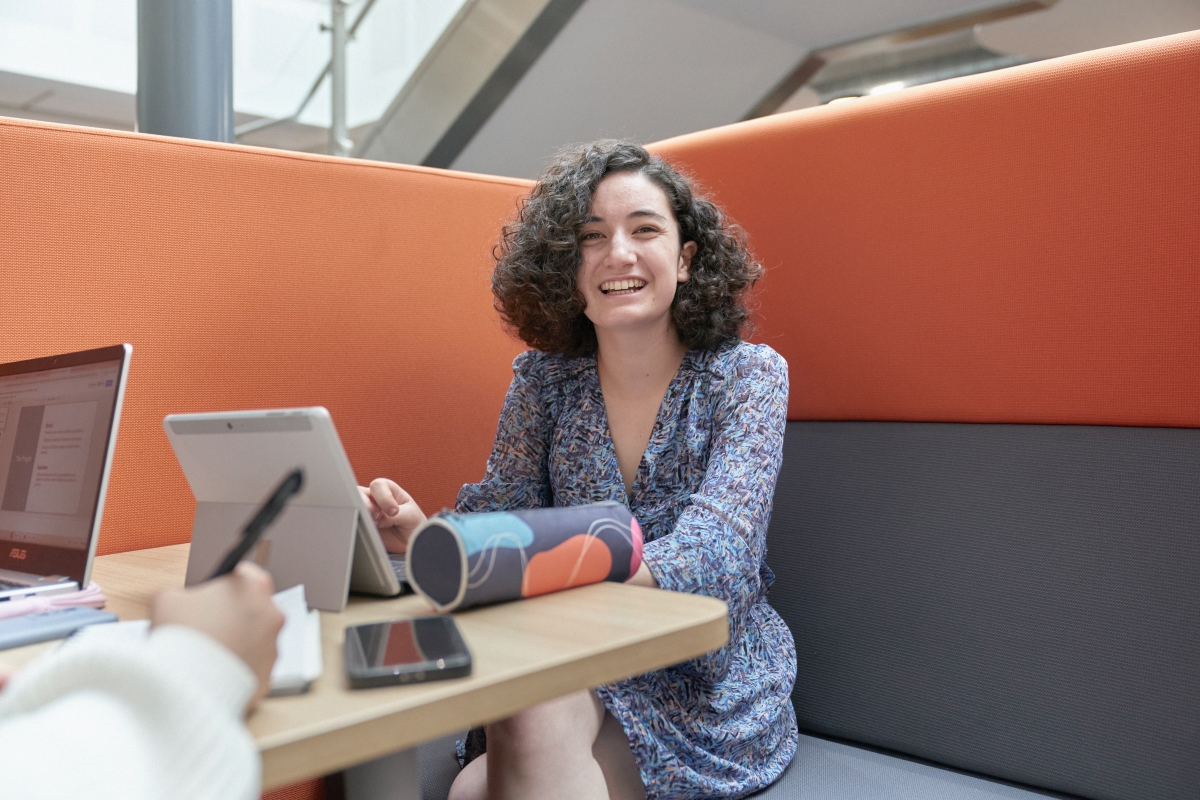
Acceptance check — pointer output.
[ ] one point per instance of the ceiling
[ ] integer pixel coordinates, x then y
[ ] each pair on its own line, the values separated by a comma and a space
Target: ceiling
1074, 26
641, 69
650, 69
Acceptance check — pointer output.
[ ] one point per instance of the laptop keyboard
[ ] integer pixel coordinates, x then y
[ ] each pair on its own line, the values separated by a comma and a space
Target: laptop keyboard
14, 585
397, 562
398, 569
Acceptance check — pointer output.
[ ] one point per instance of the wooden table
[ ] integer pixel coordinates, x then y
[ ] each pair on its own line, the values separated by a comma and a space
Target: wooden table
524, 653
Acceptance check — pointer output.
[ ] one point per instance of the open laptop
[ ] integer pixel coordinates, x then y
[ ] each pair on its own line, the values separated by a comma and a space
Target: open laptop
58, 427
325, 537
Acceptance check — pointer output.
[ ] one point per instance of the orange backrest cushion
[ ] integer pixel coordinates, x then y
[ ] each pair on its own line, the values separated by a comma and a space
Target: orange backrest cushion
249, 278
1019, 246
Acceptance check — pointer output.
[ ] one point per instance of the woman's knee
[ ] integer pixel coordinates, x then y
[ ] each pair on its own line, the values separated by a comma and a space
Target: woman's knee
471, 782
572, 721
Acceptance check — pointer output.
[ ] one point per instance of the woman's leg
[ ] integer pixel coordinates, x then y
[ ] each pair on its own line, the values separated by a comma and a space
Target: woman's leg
612, 753
569, 747
471, 783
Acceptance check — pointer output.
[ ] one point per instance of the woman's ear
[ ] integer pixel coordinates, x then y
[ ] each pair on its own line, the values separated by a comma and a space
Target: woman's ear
686, 253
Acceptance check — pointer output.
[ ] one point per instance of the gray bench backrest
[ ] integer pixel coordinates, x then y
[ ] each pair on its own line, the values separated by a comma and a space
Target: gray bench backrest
1021, 601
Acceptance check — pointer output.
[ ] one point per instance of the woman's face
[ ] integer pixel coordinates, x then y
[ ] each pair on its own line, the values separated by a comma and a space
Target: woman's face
632, 258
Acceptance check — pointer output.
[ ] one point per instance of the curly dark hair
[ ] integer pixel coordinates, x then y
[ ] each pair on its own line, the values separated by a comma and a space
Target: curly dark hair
538, 255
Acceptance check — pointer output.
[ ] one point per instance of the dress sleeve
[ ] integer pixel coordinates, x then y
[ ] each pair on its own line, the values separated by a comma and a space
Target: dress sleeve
719, 541
143, 720
517, 473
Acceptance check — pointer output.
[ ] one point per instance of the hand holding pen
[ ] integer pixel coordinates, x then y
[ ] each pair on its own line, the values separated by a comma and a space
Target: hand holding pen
254, 529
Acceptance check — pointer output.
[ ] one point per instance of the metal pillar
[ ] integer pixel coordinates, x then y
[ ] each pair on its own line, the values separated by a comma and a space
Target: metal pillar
185, 68
339, 139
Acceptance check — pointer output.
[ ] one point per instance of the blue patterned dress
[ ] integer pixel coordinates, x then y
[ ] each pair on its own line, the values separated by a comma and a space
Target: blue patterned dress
720, 725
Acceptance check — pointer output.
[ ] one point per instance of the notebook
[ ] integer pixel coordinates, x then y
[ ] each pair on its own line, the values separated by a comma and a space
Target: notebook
298, 661
58, 426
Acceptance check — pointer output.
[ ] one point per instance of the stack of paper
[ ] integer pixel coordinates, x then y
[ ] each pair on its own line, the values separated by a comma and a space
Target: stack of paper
299, 661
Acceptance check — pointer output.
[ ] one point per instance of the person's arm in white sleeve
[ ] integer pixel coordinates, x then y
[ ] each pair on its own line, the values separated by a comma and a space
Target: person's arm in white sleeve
159, 718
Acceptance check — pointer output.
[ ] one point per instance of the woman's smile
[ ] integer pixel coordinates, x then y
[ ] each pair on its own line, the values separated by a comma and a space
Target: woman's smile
632, 258
622, 287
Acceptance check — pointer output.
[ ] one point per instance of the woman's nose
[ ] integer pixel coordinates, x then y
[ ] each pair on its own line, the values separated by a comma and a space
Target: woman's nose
622, 250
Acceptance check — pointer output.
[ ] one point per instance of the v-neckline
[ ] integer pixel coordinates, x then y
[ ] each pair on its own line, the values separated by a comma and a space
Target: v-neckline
627, 495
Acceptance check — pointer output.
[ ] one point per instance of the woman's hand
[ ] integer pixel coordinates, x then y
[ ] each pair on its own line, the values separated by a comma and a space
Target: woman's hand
236, 610
395, 513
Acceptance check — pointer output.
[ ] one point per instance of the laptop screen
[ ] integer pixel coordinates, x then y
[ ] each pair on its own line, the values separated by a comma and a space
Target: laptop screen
56, 415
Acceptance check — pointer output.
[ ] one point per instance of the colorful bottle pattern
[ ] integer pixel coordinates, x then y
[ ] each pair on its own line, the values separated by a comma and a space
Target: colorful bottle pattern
463, 560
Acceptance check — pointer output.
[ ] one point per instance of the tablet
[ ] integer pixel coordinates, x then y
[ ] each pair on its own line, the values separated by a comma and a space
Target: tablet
325, 538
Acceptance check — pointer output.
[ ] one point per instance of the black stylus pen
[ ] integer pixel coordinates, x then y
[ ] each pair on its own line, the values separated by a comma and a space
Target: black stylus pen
261, 521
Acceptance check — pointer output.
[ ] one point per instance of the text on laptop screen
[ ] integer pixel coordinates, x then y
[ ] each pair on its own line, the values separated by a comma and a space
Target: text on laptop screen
54, 426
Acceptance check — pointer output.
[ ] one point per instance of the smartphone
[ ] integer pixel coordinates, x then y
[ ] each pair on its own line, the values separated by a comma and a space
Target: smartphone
405, 651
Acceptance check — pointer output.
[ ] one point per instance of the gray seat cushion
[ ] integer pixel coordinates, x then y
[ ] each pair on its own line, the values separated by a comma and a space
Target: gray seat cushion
1016, 601
821, 770
825, 770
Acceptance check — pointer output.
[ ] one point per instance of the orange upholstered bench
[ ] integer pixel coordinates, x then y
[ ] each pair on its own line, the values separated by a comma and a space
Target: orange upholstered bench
250, 278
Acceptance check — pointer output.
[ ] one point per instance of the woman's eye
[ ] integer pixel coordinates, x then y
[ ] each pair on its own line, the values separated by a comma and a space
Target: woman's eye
589, 235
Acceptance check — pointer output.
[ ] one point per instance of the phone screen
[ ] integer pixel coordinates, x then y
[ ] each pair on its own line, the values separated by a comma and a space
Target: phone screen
423, 640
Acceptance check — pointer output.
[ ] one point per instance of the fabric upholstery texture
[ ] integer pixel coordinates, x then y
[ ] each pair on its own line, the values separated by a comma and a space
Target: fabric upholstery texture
1013, 600
825, 770
438, 764
821, 770
1016, 246
249, 278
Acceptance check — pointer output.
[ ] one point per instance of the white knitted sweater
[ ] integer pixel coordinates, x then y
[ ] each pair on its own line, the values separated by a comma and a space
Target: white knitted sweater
149, 720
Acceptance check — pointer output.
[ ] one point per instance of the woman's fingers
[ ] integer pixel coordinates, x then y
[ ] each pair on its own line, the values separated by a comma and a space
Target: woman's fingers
388, 496
395, 513
372, 506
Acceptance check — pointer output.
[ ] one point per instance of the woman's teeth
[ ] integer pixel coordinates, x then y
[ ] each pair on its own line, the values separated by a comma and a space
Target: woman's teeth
622, 287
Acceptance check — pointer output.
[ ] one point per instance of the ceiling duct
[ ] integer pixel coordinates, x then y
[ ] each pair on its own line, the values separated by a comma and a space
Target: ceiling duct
932, 51
949, 56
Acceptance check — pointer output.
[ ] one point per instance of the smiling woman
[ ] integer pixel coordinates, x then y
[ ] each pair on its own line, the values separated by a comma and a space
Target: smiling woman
537, 279
639, 390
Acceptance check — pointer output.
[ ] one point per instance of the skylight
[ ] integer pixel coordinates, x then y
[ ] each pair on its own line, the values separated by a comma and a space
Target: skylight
279, 49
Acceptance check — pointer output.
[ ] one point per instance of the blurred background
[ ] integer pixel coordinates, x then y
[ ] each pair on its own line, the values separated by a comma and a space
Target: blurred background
495, 86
